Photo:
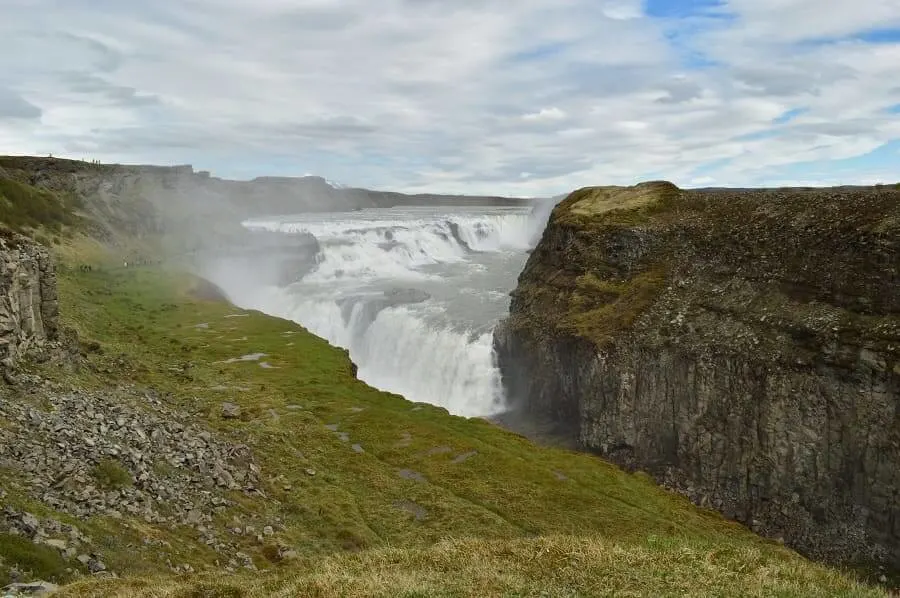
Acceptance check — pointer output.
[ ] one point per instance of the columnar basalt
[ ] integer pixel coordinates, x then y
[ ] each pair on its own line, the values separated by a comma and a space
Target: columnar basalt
28, 302
742, 346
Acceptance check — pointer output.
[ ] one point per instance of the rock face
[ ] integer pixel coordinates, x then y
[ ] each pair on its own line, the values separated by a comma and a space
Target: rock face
742, 346
28, 304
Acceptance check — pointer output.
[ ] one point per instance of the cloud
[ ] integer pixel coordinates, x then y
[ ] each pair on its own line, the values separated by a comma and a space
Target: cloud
545, 114
13, 106
534, 97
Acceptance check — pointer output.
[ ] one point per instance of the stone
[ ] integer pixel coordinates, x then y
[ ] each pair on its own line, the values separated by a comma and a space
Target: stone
462, 458
30, 524
95, 565
30, 310
34, 588
409, 474
55, 543
58, 449
231, 411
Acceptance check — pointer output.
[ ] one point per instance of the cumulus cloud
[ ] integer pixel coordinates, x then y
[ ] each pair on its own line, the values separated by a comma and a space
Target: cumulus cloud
532, 98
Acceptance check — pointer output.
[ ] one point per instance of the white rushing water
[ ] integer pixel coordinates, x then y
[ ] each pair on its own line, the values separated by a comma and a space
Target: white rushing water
412, 293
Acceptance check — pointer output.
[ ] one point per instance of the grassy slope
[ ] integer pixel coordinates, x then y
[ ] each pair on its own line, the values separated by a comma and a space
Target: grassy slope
512, 519
615, 531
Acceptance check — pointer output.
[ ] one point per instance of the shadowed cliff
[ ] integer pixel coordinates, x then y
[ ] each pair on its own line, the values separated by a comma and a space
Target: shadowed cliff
741, 345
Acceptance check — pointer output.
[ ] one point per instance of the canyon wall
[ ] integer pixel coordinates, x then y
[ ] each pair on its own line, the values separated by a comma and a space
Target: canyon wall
742, 346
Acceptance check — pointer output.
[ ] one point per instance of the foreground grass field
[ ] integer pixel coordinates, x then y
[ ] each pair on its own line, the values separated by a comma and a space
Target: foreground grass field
553, 567
378, 496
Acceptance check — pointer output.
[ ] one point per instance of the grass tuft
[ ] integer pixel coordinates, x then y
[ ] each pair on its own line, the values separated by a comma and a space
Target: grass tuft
31, 560
111, 475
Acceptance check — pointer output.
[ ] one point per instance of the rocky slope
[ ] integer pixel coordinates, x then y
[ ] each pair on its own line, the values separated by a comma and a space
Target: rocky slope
742, 346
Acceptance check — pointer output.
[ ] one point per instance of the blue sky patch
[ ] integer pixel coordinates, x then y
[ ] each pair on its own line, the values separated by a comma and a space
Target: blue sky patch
790, 115
873, 36
882, 159
678, 9
880, 36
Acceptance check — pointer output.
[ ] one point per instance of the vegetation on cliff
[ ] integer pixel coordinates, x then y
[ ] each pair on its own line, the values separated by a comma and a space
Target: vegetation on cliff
741, 345
610, 253
358, 492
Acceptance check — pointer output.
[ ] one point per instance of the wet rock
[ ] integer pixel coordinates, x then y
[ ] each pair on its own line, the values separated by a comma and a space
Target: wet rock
402, 296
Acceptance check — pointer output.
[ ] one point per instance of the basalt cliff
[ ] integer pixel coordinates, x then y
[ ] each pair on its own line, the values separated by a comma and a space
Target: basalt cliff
741, 346
28, 303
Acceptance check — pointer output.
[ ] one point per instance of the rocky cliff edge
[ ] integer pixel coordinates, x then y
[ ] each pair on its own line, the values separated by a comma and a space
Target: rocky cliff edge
29, 310
743, 346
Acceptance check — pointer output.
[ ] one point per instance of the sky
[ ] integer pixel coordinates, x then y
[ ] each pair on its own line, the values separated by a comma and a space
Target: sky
526, 98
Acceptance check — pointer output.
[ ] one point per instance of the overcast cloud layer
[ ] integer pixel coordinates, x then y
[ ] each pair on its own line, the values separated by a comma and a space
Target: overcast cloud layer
533, 97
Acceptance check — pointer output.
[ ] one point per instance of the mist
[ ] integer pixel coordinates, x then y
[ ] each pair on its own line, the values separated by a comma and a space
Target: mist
411, 286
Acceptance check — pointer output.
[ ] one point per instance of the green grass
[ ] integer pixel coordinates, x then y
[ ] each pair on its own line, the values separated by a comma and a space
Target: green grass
600, 207
492, 523
601, 309
554, 566
31, 560
111, 475
24, 207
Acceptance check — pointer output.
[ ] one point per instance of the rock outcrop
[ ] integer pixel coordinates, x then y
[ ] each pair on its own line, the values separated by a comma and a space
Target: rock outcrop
742, 346
29, 311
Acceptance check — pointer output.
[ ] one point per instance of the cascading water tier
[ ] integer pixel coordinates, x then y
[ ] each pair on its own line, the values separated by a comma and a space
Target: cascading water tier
412, 293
